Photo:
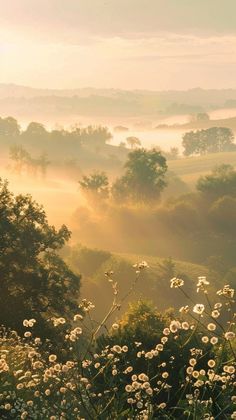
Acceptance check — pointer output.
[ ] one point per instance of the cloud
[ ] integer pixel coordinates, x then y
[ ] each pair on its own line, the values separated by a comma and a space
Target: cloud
77, 21
118, 43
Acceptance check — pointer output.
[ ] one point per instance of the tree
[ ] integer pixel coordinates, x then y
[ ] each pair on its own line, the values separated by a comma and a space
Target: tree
9, 127
95, 186
43, 163
212, 140
190, 143
24, 161
20, 157
35, 129
202, 117
223, 214
95, 136
144, 178
133, 142
222, 181
35, 282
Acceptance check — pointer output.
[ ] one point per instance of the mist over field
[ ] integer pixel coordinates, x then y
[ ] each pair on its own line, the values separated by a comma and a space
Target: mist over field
117, 210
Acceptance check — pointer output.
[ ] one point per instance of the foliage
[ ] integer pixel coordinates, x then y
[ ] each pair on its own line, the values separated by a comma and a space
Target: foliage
211, 140
144, 178
34, 279
95, 186
222, 181
133, 142
148, 366
9, 127
23, 161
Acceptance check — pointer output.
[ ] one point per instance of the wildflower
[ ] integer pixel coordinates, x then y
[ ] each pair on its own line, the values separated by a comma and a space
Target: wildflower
215, 314
211, 363
202, 284
31, 322
146, 385
174, 326
229, 369
130, 401
141, 266
214, 340
211, 327
230, 335
115, 326
205, 339
78, 317
149, 355
184, 309
159, 347
128, 388
62, 320
27, 334
142, 377
226, 291
185, 325
162, 406
199, 308
176, 283
52, 358
166, 331
116, 349
128, 369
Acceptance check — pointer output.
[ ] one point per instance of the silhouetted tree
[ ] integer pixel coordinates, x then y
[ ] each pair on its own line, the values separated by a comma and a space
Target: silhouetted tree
35, 282
9, 127
212, 140
144, 178
133, 142
95, 186
222, 181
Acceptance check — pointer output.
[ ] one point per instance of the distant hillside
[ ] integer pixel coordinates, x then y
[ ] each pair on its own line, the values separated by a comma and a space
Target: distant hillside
23, 100
153, 284
191, 168
197, 125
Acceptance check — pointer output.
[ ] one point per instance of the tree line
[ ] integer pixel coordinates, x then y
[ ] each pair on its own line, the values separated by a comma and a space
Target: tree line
211, 140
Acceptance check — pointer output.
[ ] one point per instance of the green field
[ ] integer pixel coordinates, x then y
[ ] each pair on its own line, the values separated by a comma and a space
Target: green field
191, 168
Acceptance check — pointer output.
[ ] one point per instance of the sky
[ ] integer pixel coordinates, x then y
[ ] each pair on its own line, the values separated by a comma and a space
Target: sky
124, 44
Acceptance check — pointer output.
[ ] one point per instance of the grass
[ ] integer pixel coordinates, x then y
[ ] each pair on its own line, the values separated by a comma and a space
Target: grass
154, 284
190, 269
191, 168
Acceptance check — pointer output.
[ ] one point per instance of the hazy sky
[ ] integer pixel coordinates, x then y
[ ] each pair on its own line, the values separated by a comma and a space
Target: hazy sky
144, 44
